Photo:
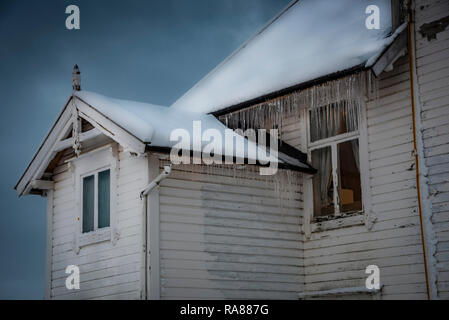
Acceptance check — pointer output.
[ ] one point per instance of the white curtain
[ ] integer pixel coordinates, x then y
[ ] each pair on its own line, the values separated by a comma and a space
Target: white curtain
327, 122
352, 124
324, 156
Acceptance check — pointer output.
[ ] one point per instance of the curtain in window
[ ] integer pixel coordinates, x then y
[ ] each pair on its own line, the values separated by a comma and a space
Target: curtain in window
329, 121
352, 124
334, 119
324, 157
325, 122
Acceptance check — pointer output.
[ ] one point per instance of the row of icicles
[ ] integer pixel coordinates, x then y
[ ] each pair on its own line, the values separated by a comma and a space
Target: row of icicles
285, 183
270, 114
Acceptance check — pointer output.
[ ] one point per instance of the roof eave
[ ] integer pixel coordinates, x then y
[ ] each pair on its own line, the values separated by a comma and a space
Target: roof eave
307, 169
285, 91
22, 191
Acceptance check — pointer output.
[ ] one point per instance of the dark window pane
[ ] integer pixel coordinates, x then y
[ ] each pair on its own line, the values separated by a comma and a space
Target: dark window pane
88, 204
323, 189
350, 190
332, 120
103, 198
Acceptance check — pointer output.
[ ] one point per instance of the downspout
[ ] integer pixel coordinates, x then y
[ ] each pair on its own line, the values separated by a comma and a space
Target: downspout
430, 277
144, 195
164, 174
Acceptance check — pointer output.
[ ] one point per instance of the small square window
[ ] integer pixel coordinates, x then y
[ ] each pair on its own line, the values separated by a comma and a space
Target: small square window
96, 201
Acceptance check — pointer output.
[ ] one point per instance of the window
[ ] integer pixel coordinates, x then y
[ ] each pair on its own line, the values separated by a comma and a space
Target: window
95, 176
96, 201
334, 149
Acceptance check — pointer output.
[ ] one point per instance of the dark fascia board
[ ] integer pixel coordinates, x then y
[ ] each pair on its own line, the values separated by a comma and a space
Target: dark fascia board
297, 87
287, 149
309, 169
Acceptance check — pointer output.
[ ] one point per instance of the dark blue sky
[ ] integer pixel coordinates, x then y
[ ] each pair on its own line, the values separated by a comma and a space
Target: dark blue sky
150, 51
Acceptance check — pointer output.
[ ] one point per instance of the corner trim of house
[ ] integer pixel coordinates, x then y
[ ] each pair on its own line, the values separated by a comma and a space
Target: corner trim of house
153, 238
49, 244
424, 204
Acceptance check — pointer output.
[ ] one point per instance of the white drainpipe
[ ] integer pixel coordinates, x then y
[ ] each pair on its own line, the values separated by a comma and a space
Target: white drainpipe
143, 194
164, 174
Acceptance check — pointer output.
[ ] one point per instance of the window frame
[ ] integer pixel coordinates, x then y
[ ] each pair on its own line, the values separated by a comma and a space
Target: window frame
333, 143
95, 174
364, 216
94, 162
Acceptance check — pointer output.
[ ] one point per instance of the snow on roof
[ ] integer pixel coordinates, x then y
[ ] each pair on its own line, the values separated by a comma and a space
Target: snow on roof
153, 124
308, 40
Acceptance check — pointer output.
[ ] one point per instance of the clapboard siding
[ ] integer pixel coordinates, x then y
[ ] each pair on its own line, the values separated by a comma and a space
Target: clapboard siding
223, 235
432, 68
338, 258
225, 232
107, 271
291, 131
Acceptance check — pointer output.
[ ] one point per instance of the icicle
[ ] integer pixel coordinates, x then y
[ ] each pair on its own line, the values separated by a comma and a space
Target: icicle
285, 184
272, 113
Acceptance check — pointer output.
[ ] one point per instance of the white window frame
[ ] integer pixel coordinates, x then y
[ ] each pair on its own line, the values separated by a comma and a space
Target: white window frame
95, 174
333, 143
92, 163
337, 220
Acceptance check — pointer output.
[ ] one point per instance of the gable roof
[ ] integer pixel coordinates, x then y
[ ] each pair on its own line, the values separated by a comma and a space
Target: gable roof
138, 127
151, 124
308, 40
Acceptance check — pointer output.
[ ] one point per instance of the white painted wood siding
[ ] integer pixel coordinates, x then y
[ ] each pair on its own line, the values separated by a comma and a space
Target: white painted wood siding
225, 237
338, 258
106, 271
432, 64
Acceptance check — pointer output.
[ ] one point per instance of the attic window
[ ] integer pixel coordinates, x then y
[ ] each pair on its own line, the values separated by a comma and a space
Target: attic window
96, 201
334, 148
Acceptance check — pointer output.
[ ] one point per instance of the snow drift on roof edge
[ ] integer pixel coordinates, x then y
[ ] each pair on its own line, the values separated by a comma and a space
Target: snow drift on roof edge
154, 124
311, 39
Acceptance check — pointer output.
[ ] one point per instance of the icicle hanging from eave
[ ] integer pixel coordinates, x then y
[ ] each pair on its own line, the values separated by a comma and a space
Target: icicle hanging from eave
285, 185
270, 114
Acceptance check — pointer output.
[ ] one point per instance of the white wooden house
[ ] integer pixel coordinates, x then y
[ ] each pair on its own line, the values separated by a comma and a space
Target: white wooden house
370, 113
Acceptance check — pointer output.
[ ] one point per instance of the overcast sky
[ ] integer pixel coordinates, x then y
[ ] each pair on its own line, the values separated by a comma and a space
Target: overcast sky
149, 51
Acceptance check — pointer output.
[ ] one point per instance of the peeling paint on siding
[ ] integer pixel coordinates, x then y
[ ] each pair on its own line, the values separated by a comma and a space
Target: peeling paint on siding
431, 29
